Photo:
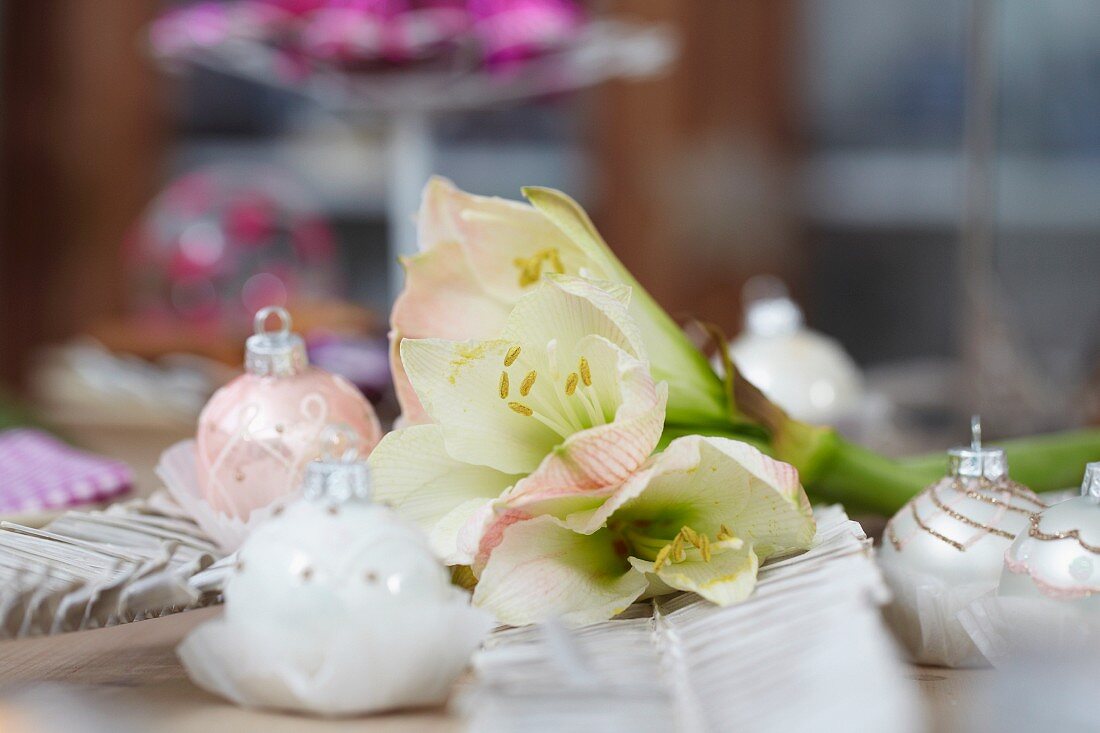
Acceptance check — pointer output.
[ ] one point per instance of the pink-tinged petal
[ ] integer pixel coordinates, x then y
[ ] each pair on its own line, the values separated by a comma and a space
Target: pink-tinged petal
412, 412
709, 482
541, 570
441, 299
440, 206
489, 531
600, 458
498, 237
454, 538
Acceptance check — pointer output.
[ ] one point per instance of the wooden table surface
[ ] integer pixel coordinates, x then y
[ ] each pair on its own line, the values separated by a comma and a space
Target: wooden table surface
133, 670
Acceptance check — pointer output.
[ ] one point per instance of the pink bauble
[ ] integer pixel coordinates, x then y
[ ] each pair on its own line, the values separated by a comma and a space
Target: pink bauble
257, 433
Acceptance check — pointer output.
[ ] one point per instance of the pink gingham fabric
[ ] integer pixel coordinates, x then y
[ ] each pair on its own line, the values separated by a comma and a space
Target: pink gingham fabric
40, 473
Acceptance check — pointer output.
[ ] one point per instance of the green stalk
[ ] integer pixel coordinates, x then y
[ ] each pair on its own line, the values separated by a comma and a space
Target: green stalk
1043, 462
864, 481
832, 469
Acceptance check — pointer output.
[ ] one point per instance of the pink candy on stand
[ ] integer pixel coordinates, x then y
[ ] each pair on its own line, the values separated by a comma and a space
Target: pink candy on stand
364, 35
512, 31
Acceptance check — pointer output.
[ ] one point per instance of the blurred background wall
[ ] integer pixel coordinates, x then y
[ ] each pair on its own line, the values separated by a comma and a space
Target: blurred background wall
821, 141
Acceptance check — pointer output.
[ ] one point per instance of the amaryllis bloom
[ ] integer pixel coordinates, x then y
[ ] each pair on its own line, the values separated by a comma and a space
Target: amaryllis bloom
480, 255
558, 405
699, 517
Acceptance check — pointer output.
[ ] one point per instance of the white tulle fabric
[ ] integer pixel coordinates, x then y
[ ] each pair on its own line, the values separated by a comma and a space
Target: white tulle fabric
1005, 628
178, 470
923, 613
409, 661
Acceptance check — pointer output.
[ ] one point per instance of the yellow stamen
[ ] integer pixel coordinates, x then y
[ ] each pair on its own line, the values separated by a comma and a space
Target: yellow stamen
662, 557
530, 268
504, 385
704, 548
724, 533
511, 356
678, 553
528, 383
586, 372
689, 535
521, 409
571, 383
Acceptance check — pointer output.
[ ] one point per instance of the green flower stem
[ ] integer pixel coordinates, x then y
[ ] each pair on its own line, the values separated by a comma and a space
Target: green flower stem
864, 481
1043, 462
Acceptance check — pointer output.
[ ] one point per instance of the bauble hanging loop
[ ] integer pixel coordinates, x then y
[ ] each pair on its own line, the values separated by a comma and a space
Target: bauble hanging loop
279, 353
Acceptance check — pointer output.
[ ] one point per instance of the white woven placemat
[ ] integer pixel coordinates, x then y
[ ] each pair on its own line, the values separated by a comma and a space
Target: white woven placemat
807, 650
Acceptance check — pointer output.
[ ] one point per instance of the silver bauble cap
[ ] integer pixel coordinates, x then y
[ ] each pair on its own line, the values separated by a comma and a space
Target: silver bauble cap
339, 475
975, 460
769, 310
1090, 486
274, 353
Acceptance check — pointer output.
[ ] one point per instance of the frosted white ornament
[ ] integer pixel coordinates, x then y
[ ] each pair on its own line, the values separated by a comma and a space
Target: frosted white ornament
945, 548
806, 373
336, 607
1058, 554
1048, 600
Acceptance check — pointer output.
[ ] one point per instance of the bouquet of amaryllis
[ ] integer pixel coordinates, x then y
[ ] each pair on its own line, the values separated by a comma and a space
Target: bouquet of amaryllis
569, 450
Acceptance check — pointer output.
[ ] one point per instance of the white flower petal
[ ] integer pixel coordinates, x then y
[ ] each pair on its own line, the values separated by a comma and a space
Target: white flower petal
543, 570
567, 309
497, 237
459, 385
412, 471
606, 455
709, 482
696, 393
728, 577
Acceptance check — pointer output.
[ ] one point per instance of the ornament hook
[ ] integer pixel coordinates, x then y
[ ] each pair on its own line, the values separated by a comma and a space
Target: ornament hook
259, 323
976, 441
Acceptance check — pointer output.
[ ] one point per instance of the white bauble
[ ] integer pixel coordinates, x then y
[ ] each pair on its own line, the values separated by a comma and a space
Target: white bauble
336, 606
317, 563
945, 548
1058, 555
805, 372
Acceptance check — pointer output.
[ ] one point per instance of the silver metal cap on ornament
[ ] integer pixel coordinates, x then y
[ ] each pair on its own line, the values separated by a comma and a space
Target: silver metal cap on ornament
1090, 486
338, 476
975, 460
278, 353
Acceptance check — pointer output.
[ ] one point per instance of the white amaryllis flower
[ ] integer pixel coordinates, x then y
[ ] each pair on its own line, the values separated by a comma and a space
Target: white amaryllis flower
560, 405
699, 517
480, 255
